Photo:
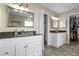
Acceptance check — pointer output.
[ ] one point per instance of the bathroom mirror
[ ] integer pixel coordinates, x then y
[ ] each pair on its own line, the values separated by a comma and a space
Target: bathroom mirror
19, 18
54, 24
63, 24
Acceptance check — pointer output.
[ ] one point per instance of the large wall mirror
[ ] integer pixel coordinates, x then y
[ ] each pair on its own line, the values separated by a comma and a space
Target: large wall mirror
18, 18
55, 24
63, 24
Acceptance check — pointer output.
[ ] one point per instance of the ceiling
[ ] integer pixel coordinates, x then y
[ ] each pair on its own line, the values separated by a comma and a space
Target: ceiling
60, 7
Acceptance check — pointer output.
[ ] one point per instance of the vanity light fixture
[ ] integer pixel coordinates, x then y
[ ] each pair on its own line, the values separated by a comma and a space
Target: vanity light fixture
24, 6
55, 18
21, 6
27, 7
16, 6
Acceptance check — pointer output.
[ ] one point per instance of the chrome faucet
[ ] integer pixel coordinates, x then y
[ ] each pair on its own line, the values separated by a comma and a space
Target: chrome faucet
16, 32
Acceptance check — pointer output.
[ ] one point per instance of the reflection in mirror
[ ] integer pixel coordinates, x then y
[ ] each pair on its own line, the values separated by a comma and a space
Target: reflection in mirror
63, 24
54, 23
18, 18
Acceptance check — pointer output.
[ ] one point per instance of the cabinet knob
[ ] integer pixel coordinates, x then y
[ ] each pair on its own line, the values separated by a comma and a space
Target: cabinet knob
6, 52
25, 46
37, 51
37, 44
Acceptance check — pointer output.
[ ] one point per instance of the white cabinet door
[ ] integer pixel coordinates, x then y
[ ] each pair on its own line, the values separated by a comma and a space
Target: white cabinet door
25, 47
29, 50
38, 49
20, 49
7, 51
61, 39
53, 39
38, 46
24, 50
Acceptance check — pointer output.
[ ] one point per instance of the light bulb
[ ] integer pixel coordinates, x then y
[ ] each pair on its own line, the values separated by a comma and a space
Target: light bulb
22, 8
30, 16
55, 18
27, 9
16, 6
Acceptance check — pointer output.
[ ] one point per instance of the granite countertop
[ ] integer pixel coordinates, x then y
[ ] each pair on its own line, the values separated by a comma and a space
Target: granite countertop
19, 36
4, 35
58, 31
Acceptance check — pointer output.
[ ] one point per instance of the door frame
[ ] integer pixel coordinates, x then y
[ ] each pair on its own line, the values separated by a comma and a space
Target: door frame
48, 27
68, 28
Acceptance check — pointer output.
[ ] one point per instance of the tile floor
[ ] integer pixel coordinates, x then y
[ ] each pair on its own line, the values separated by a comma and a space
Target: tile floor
65, 50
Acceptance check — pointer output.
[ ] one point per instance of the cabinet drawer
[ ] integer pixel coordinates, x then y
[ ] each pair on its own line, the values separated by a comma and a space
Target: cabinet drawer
38, 46
38, 49
38, 52
7, 51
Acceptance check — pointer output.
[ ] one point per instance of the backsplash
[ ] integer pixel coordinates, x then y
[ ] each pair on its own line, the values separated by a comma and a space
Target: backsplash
12, 34
7, 34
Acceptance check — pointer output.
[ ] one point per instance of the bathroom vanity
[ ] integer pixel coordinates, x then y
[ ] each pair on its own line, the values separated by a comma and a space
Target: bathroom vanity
31, 45
22, 44
57, 38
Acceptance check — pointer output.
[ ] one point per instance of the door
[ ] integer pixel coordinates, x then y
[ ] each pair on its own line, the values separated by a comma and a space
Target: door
73, 28
45, 28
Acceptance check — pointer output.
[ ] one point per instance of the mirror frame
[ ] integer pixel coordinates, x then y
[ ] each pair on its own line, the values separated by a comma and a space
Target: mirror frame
19, 10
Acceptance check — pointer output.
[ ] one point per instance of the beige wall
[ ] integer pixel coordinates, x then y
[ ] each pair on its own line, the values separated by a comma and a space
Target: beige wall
65, 15
32, 8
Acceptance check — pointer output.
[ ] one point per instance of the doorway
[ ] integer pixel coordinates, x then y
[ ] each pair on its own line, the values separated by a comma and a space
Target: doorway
73, 29
45, 28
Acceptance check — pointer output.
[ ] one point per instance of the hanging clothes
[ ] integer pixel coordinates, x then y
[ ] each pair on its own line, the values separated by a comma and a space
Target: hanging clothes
73, 28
